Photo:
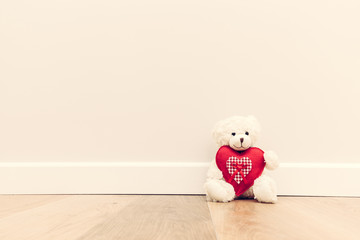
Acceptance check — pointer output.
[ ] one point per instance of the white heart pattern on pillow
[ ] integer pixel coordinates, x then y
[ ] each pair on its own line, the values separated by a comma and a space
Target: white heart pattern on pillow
239, 167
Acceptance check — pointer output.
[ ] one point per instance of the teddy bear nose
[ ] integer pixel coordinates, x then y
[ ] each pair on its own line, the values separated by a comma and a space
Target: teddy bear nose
241, 140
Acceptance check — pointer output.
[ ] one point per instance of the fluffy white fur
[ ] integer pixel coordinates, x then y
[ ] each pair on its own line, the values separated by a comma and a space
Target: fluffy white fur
240, 133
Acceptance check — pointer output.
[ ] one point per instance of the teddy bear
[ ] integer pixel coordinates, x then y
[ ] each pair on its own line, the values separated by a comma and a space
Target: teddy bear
239, 169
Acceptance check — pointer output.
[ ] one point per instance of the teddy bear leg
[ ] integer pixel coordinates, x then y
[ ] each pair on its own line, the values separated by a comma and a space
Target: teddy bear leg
265, 189
219, 191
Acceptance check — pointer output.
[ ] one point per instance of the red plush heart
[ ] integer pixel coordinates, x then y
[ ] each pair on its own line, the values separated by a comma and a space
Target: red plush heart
240, 169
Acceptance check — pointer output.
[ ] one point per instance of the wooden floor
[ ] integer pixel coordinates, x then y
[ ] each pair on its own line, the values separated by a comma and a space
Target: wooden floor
133, 217
291, 218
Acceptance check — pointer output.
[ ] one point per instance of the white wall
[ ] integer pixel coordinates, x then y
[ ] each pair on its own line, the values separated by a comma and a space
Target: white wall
146, 80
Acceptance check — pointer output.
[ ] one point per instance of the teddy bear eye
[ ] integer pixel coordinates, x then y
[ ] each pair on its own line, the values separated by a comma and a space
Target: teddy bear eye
233, 134
246, 133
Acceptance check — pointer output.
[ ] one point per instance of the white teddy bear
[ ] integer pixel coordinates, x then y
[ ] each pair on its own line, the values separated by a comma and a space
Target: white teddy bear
237, 136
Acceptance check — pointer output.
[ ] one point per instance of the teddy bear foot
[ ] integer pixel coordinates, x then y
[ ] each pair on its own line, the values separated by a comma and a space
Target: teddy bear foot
219, 191
265, 190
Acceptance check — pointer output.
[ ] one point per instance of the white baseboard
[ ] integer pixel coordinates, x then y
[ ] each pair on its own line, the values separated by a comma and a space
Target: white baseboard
301, 179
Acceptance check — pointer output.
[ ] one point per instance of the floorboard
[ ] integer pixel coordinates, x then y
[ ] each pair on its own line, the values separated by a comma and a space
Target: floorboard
310, 218
80, 217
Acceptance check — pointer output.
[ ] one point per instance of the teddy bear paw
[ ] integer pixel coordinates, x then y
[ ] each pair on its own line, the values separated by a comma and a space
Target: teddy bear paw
271, 160
219, 191
265, 190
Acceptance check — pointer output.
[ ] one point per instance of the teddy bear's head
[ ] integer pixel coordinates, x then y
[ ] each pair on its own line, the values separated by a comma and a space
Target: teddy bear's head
238, 132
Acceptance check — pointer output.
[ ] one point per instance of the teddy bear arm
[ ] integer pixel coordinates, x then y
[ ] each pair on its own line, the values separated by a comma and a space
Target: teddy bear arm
271, 160
214, 172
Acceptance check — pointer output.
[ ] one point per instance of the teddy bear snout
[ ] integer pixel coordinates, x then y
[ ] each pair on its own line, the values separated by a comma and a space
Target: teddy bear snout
240, 143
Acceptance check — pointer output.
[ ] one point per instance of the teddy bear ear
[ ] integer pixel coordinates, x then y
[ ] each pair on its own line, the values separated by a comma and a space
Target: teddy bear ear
254, 120
218, 132
216, 129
